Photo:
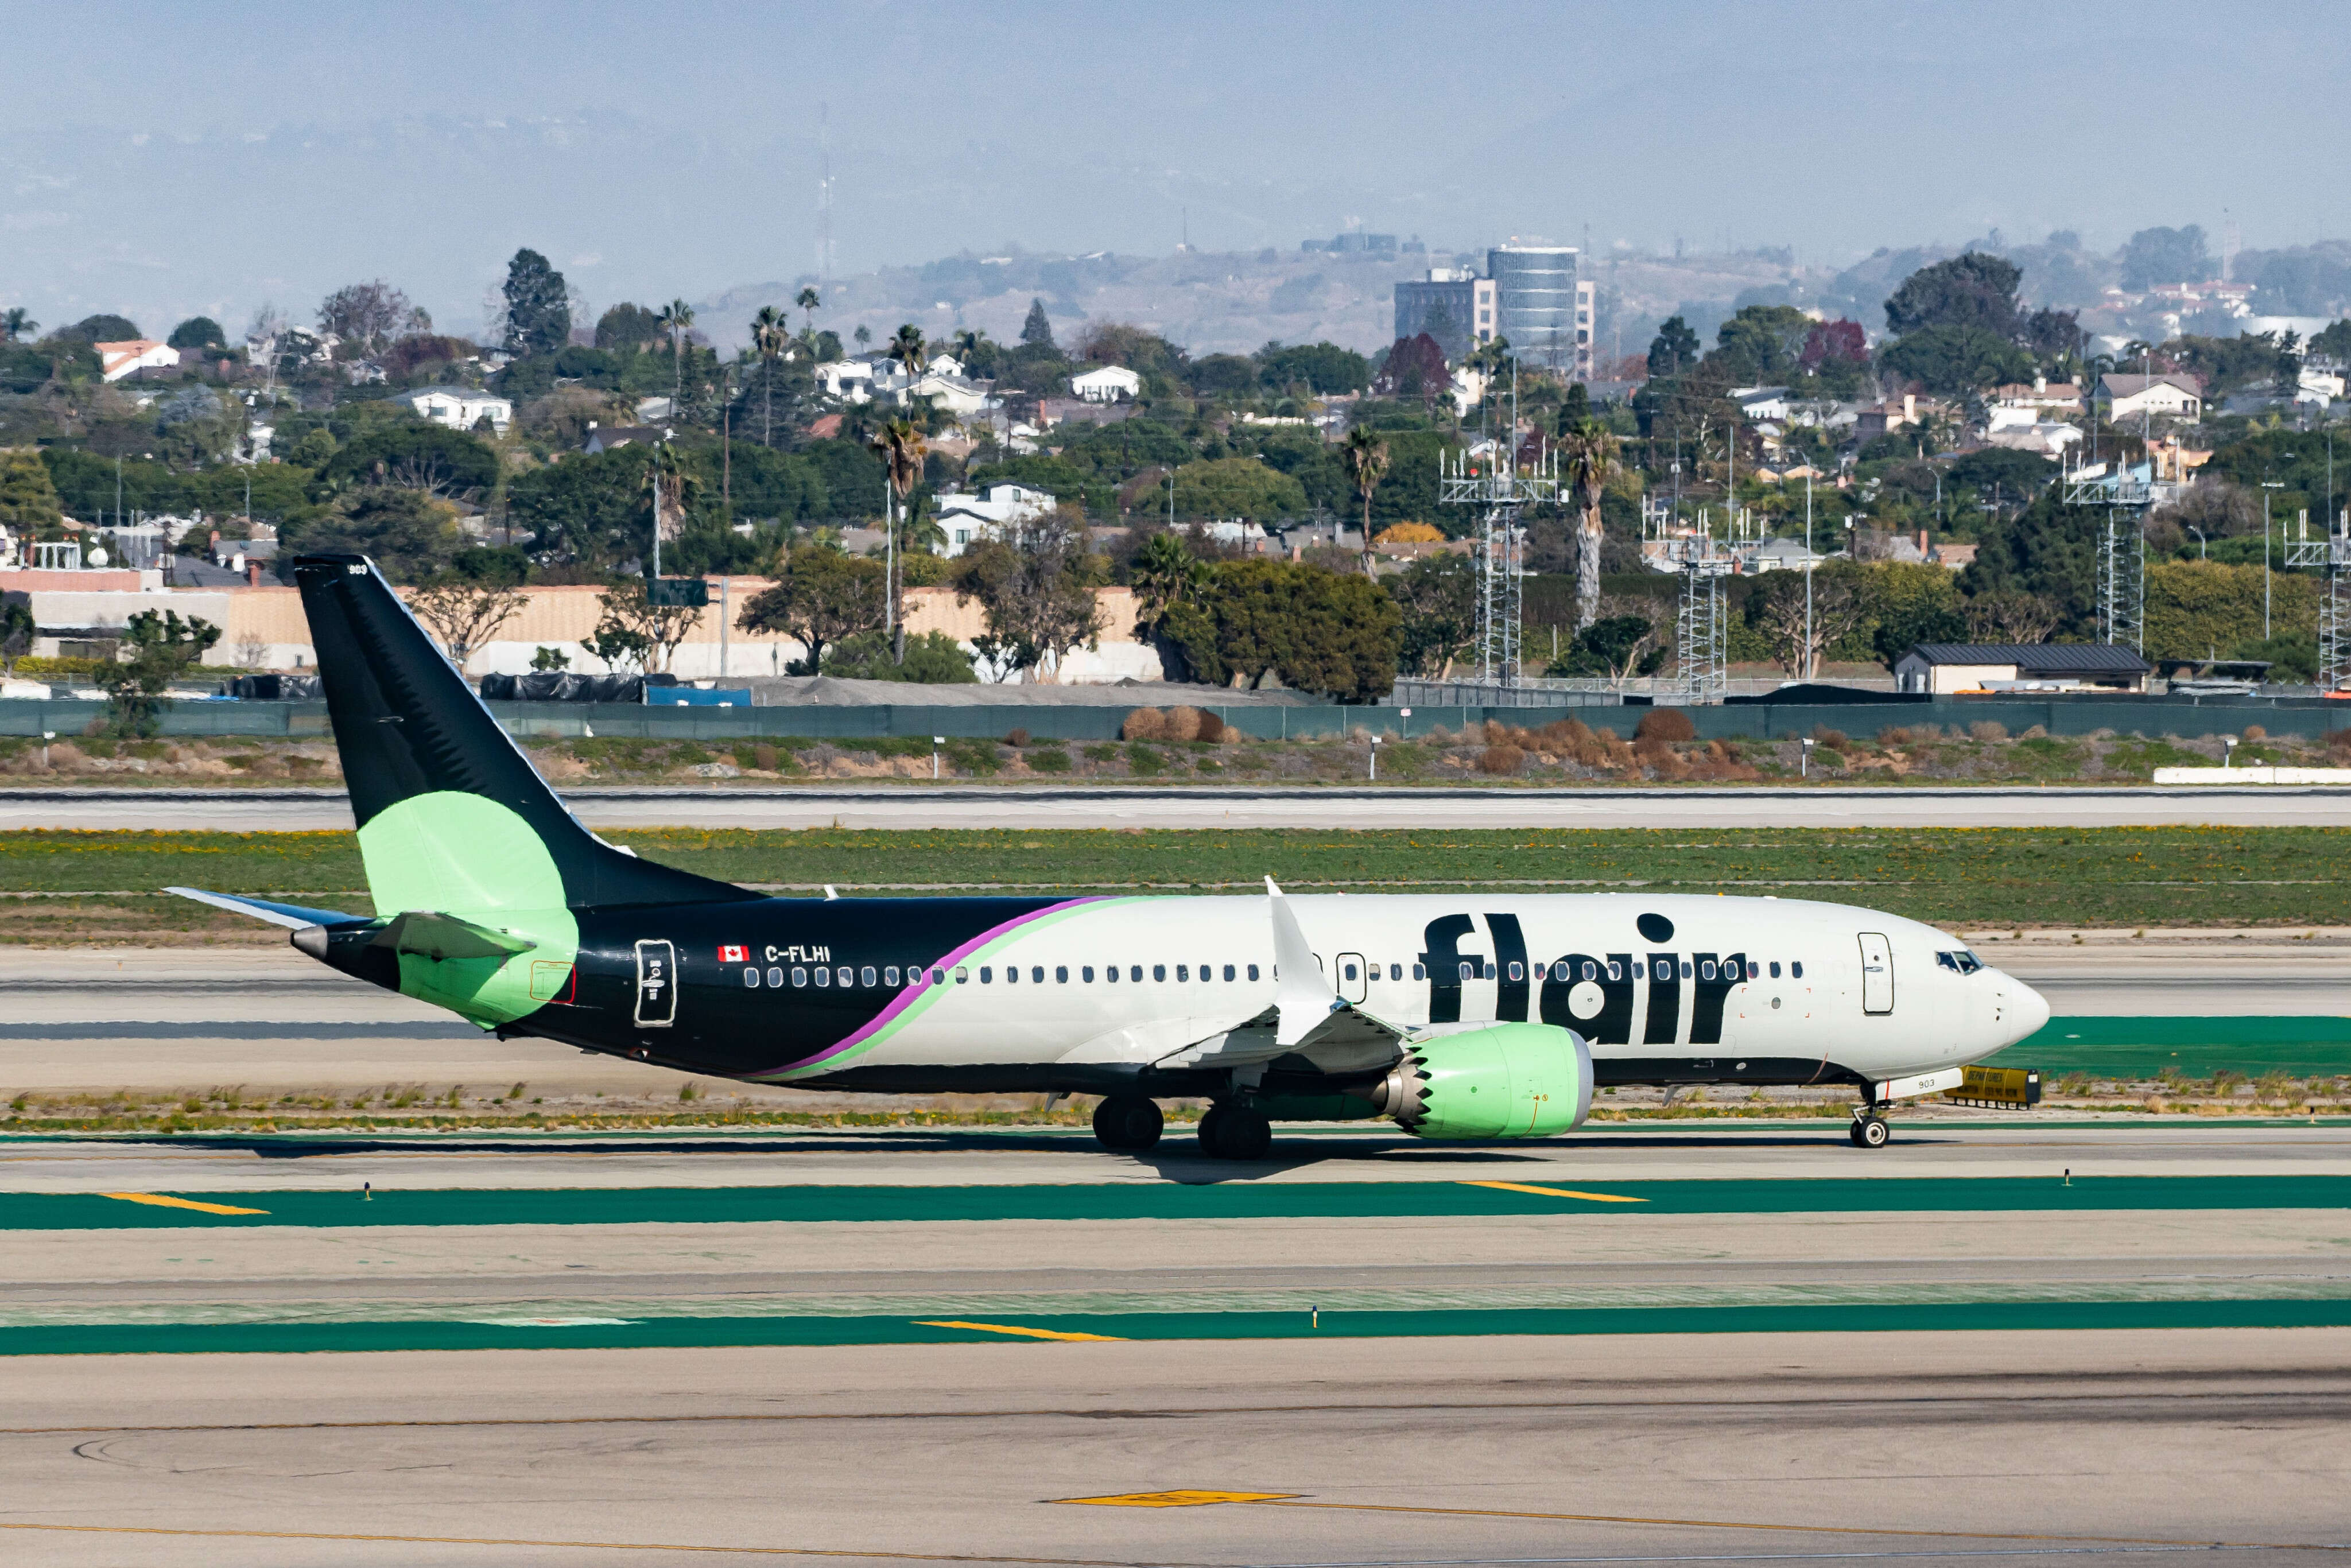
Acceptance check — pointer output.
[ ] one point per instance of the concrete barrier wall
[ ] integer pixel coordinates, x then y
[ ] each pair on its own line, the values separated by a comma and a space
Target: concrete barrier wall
1065, 722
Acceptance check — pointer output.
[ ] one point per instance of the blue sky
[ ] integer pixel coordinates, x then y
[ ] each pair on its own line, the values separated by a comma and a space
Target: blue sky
171, 157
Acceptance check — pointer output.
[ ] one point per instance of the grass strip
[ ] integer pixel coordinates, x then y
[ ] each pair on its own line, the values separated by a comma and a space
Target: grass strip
214, 1339
2088, 876
1167, 1200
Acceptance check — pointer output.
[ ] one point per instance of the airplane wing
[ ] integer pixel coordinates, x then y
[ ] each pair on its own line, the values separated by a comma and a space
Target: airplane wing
291, 916
1314, 1018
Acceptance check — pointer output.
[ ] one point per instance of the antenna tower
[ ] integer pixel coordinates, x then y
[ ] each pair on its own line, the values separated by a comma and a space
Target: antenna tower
1491, 480
2126, 495
2331, 553
1702, 629
824, 256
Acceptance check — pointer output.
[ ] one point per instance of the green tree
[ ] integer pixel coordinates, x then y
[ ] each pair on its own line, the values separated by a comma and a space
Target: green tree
1674, 350
1367, 462
2165, 255
466, 605
28, 499
820, 597
18, 629
1165, 574
197, 332
583, 510
161, 646
932, 658
1909, 605
1322, 368
1037, 332
1037, 595
103, 328
1975, 290
1760, 343
539, 306
677, 317
1237, 488
411, 536
1614, 647
908, 350
627, 328
1587, 455
808, 302
1320, 631
17, 324
1955, 359
1437, 604
415, 454
770, 334
632, 628
902, 448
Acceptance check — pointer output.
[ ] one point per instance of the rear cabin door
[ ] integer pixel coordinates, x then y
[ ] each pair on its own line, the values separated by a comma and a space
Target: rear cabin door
1352, 984
1876, 973
656, 985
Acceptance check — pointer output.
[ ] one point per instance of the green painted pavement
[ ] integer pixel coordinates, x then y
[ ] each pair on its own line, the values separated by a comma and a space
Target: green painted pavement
2129, 1047
192, 1339
1171, 1201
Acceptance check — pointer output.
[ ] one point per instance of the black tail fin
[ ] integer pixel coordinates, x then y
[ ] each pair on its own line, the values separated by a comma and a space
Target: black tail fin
408, 725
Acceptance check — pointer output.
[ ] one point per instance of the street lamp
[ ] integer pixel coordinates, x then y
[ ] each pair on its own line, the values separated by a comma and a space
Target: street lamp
2267, 485
2202, 553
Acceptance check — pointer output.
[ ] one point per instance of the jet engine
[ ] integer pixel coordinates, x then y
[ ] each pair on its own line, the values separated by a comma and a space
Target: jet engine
1505, 1080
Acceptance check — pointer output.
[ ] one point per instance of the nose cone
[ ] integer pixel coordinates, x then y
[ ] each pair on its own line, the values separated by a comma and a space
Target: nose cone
2027, 1009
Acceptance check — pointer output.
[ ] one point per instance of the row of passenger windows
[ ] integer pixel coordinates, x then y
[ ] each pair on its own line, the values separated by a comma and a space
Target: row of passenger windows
1564, 973
849, 976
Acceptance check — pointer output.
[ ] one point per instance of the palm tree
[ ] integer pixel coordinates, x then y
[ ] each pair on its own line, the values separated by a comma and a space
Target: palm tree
675, 318
908, 348
770, 330
1366, 457
1164, 573
17, 323
1587, 455
902, 449
808, 302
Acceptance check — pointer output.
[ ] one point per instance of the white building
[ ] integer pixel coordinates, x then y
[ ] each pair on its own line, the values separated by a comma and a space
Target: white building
951, 393
849, 381
2168, 397
116, 360
461, 408
966, 519
2318, 382
1763, 403
1107, 383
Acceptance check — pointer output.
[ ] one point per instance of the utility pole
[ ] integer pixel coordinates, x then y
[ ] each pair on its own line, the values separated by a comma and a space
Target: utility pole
1809, 673
2267, 485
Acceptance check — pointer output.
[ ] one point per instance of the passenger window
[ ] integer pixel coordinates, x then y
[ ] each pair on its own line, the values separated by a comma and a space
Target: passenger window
751, 977
1012, 974
1796, 968
799, 978
1469, 970
1158, 972
963, 974
1060, 975
1395, 971
1418, 973
866, 976
846, 977
1591, 970
1706, 970
1775, 968
1134, 973
1109, 972
1183, 971
1616, 970
1489, 968
1228, 972
1686, 969
984, 977
1514, 971
1253, 971
939, 976
1351, 971
1088, 972
824, 977
889, 976
1207, 973
1754, 969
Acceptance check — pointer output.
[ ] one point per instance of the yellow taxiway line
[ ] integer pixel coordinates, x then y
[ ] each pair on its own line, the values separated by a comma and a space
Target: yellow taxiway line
160, 1201
1016, 1329
1555, 1192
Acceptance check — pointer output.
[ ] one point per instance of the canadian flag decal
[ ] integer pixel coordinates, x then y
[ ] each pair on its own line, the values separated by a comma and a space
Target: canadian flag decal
734, 955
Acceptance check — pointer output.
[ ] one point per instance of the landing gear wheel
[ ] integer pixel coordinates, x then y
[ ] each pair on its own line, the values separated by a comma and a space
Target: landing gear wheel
1127, 1122
1207, 1131
1871, 1131
1236, 1133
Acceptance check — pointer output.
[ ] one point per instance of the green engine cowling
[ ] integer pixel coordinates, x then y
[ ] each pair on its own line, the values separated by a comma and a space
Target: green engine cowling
1507, 1080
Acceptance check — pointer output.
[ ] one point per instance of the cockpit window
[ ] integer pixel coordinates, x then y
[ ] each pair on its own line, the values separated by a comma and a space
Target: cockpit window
1962, 962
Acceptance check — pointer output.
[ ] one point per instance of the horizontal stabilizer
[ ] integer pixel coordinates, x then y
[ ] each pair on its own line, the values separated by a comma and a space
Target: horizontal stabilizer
291, 916
438, 937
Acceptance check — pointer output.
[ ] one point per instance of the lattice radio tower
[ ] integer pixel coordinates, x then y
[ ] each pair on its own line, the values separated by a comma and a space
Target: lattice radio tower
1493, 482
2331, 553
1701, 629
2122, 549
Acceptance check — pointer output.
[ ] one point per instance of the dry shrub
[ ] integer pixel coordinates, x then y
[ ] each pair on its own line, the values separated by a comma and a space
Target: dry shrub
1569, 738
1616, 754
1144, 723
1823, 736
1182, 723
1017, 738
1216, 731
1892, 735
1721, 763
1496, 733
2255, 732
1502, 758
764, 758
1659, 757
2339, 740
1987, 729
1665, 724
2038, 732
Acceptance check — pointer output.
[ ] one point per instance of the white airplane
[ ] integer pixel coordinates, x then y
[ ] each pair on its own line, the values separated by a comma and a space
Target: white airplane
1457, 1016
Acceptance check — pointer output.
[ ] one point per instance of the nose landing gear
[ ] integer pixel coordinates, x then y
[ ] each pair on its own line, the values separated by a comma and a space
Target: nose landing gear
1869, 1130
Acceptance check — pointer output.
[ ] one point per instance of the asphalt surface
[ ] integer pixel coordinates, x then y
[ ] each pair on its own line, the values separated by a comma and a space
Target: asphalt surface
1842, 1436
1031, 807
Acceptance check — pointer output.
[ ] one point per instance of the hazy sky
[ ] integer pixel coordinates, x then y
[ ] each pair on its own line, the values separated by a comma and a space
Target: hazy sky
171, 157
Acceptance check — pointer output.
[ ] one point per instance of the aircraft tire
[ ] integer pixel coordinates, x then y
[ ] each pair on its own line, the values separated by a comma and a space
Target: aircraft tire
1242, 1133
1127, 1122
1207, 1132
1871, 1131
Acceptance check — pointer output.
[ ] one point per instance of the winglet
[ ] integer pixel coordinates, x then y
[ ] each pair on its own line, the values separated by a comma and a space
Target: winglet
1301, 994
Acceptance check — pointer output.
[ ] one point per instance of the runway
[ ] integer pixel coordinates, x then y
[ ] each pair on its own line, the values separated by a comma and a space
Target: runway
1323, 808
1786, 1349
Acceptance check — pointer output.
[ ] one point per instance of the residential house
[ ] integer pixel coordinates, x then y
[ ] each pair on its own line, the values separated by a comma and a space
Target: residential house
605, 437
949, 393
2319, 382
1880, 419
1757, 404
968, 517
2022, 427
2043, 394
116, 360
461, 408
2168, 396
1940, 669
1107, 383
851, 381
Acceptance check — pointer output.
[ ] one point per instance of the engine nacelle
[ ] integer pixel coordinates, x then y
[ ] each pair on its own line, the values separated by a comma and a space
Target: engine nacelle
1507, 1080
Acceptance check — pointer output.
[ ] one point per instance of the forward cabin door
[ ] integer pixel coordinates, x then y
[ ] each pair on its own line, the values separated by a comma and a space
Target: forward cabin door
656, 985
1876, 973
1352, 984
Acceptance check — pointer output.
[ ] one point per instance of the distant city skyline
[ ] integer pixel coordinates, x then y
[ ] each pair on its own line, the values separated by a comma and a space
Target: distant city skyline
163, 161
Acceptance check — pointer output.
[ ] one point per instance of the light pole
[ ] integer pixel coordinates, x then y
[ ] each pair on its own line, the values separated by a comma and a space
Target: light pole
1809, 673
2228, 750
47, 736
2267, 485
2202, 553
1804, 757
1375, 759
936, 741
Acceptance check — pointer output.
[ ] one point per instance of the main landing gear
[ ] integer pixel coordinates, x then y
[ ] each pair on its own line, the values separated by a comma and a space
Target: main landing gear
1869, 1130
1128, 1123
1232, 1130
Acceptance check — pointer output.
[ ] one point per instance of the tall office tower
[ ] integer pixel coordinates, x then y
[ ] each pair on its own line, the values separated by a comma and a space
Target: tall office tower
1452, 305
1537, 304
